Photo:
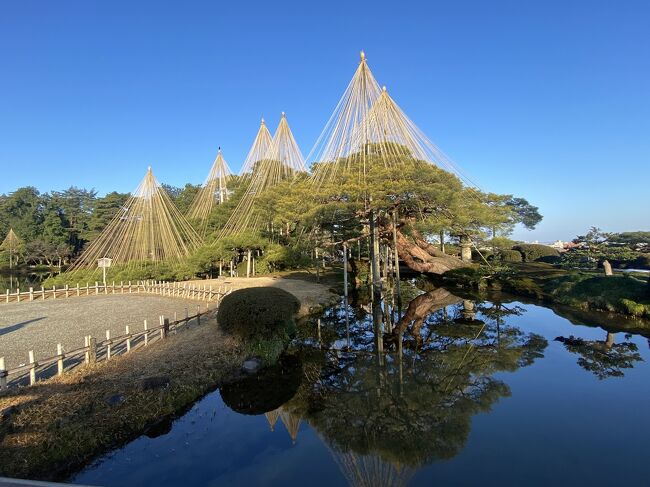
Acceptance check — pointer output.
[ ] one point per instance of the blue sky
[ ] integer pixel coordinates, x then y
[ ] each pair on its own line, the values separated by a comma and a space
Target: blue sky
546, 100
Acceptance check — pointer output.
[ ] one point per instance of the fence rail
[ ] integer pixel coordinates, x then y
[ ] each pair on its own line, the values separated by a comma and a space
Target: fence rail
95, 351
163, 288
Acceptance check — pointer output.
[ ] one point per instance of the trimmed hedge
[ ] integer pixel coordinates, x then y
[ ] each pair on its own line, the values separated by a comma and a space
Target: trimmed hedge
258, 313
534, 252
510, 256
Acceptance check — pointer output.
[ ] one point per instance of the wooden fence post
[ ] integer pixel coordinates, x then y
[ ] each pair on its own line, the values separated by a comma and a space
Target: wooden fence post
32, 368
67, 291
146, 334
108, 344
198, 314
96, 288
87, 345
3, 374
92, 350
31, 294
77, 289
164, 331
18, 295
43, 293
59, 359
53, 292
128, 339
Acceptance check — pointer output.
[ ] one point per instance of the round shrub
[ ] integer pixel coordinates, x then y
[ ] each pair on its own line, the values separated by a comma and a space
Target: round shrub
533, 252
258, 313
510, 256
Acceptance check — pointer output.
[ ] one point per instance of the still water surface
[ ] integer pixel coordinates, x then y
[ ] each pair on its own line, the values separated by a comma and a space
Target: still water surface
489, 392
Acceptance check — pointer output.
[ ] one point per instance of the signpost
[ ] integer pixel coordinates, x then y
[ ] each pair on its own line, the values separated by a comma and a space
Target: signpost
104, 262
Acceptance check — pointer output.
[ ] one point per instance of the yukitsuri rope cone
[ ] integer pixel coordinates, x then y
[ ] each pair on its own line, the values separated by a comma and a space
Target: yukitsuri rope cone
368, 124
214, 191
148, 228
291, 422
10, 244
258, 150
281, 161
371, 470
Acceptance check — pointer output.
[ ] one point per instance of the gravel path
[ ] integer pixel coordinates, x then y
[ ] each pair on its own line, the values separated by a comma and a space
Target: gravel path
40, 325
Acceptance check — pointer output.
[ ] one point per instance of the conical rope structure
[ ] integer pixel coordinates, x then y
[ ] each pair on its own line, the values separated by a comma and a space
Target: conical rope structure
148, 228
282, 161
10, 244
367, 123
214, 191
291, 422
258, 150
272, 417
371, 470
11, 241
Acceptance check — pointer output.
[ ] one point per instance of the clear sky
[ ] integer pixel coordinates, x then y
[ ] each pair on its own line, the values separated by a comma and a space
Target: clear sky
549, 100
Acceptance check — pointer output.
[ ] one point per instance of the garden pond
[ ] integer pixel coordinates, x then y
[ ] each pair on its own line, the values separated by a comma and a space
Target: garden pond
456, 391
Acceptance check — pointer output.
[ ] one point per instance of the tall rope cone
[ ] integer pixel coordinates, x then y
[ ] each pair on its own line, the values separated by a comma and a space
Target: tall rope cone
281, 161
258, 150
148, 228
214, 191
370, 470
366, 116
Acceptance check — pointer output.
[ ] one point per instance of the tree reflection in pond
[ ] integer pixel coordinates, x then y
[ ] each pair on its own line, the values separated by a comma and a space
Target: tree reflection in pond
412, 406
603, 358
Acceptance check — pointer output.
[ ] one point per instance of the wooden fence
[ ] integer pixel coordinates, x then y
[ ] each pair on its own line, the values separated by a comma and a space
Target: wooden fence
163, 288
94, 351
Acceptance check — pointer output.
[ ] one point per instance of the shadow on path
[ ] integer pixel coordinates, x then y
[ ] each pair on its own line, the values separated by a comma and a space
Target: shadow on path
18, 326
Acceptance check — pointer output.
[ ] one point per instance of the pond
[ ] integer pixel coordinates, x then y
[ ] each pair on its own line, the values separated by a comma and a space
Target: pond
465, 392
22, 280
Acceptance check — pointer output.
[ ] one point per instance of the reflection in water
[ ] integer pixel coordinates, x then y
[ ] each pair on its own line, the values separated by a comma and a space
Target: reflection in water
23, 281
375, 404
388, 399
603, 358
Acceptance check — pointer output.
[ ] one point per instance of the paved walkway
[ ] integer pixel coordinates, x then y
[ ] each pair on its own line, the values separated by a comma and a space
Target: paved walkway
40, 325
310, 294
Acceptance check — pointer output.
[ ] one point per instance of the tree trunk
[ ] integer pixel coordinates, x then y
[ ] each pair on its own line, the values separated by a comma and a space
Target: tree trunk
374, 258
420, 308
421, 256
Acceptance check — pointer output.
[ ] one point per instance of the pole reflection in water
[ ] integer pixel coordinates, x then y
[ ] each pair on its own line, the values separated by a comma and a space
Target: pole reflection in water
395, 399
